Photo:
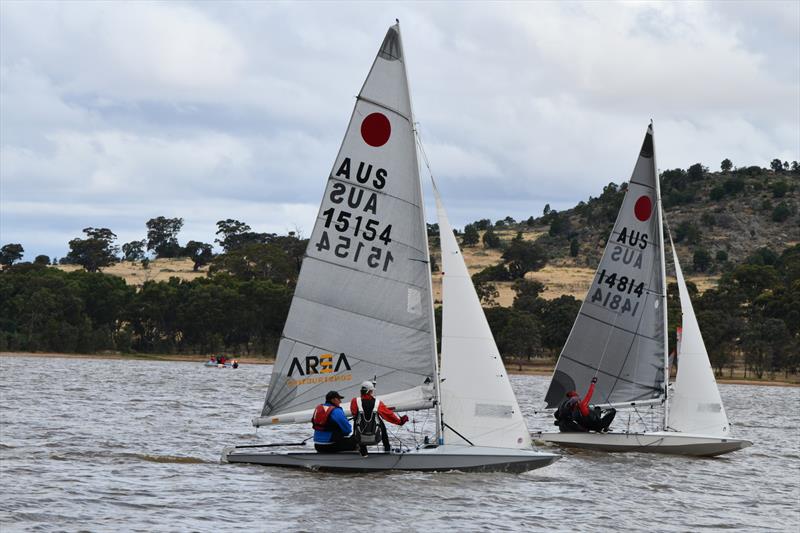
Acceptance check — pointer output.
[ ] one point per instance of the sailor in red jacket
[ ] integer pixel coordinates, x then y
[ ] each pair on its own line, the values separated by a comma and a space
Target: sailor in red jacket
574, 414
363, 410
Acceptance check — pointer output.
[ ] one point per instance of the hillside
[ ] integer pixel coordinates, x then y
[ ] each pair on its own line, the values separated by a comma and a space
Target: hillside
726, 215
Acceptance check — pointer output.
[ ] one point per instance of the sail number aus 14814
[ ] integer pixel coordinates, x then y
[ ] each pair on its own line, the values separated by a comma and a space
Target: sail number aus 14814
624, 285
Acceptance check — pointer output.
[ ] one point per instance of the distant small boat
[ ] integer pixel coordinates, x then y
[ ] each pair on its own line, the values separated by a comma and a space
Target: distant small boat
214, 364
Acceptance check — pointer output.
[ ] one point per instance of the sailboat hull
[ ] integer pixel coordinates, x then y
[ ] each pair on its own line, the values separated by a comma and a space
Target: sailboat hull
665, 442
431, 459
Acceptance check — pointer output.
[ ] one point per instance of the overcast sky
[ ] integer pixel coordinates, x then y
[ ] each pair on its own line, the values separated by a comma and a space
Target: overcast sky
113, 113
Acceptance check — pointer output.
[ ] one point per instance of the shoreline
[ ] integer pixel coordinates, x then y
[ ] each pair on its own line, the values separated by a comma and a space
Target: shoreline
513, 368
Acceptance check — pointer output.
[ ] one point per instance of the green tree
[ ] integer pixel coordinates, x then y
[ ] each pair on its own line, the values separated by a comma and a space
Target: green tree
490, 239
493, 273
199, 252
696, 172
689, 232
10, 253
520, 337
556, 318
41, 260
94, 252
781, 212
234, 234
559, 224
574, 247
162, 236
764, 343
487, 292
471, 236
776, 166
523, 257
527, 295
720, 332
133, 251
256, 262
779, 189
701, 260
483, 224
546, 210
726, 165
733, 186
721, 256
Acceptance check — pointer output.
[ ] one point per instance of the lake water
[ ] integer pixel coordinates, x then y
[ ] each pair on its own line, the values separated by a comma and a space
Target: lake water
96, 445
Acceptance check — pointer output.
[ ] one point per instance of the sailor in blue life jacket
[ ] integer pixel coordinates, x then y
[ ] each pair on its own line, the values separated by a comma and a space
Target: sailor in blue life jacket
332, 432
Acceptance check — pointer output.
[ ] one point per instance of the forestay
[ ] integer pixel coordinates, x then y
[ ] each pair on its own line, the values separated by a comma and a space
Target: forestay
696, 406
478, 405
362, 306
619, 334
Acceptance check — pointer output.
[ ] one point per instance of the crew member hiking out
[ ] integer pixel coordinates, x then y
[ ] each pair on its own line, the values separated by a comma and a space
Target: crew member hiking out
332, 432
574, 414
368, 418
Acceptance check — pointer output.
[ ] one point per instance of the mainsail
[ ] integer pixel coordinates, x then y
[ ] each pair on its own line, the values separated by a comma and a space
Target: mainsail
479, 406
696, 406
362, 307
619, 334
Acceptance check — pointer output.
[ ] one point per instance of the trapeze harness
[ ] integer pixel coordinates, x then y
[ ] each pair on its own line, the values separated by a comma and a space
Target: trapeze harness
367, 427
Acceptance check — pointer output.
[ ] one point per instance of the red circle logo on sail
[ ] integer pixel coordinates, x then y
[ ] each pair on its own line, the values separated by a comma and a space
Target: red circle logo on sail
643, 208
376, 129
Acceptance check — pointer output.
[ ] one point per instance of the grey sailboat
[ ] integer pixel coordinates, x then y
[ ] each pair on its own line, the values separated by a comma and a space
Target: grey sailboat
363, 307
620, 337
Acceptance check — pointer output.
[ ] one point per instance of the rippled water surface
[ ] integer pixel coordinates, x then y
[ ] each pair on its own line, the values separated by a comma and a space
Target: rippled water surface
134, 446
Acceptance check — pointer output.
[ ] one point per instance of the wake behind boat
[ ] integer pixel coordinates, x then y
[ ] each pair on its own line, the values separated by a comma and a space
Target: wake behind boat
620, 338
363, 310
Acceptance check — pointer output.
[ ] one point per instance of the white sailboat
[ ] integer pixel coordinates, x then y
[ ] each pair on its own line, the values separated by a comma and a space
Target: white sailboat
620, 337
363, 309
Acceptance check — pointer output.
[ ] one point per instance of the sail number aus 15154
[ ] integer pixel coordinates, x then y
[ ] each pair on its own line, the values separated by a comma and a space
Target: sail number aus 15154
345, 248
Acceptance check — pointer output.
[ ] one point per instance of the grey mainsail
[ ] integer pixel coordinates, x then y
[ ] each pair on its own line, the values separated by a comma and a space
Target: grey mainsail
619, 334
362, 307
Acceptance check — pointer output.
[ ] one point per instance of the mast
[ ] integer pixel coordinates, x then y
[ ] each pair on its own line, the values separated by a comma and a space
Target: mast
663, 279
432, 325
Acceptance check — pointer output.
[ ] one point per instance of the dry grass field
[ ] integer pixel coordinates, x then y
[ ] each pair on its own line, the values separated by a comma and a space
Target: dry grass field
158, 270
561, 277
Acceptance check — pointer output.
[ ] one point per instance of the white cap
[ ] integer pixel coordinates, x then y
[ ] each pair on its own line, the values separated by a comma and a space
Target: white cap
368, 385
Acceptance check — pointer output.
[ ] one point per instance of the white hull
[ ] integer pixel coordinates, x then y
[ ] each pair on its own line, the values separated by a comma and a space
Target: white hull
666, 442
429, 459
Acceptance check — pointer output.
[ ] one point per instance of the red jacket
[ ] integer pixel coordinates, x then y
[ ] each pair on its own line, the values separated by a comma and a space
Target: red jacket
584, 404
384, 412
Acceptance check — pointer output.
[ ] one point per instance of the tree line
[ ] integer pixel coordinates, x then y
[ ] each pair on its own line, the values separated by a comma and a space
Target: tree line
240, 307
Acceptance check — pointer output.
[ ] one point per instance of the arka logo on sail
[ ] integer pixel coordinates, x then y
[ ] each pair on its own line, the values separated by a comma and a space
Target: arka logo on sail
323, 364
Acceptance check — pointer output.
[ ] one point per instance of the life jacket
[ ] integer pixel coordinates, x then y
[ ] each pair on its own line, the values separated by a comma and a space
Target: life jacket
565, 411
367, 427
321, 419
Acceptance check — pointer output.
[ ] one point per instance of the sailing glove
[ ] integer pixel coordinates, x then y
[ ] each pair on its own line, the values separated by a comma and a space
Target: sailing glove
594, 379
403, 419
